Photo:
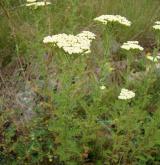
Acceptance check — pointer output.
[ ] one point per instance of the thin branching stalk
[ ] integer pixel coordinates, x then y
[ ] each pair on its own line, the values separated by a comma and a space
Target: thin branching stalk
3, 81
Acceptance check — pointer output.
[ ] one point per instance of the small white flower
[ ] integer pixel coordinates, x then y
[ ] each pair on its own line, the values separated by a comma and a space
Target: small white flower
31, 4
157, 22
157, 25
126, 94
102, 87
104, 19
132, 42
151, 58
31, 1
37, 4
130, 45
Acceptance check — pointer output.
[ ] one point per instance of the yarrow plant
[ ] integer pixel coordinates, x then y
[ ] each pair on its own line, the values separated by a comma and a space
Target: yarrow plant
126, 94
109, 34
130, 47
72, 44
105, 19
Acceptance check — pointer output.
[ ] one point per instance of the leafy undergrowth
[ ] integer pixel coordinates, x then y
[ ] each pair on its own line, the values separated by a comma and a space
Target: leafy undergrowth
90, 104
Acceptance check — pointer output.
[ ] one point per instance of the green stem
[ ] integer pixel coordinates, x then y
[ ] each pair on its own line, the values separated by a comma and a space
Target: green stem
129, 62
107, 43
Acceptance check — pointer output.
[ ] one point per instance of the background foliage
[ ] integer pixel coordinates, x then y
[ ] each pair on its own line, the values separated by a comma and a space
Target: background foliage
72, 120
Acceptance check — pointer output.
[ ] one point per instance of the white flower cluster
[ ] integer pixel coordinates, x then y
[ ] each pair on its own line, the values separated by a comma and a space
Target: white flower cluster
152, 58
157, 25
129, 45
72, 44
126, 94
102, 87
37, 4
31, 1
113, 18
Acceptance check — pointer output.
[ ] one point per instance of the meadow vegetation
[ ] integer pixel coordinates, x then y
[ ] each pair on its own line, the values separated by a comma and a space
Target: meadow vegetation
77, 88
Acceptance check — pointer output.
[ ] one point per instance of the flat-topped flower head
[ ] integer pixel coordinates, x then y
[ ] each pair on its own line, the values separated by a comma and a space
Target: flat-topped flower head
72, 44
157, 22
126, 94
31, 1
105, 19
102, 87
157, 25
42, 3
152, 58
132, 45
36, 4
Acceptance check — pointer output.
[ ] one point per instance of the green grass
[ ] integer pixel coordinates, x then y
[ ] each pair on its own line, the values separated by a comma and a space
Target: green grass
74, 121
